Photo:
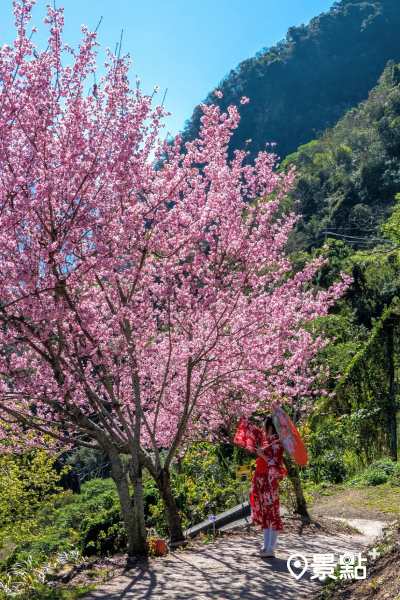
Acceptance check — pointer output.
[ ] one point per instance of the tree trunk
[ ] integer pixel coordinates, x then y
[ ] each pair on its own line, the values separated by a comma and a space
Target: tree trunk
293, 474
163, 481
392, 395
136, 545
135, 465
135, 474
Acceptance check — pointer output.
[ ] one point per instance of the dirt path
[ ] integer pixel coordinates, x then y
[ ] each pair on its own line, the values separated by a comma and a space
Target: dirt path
225, 569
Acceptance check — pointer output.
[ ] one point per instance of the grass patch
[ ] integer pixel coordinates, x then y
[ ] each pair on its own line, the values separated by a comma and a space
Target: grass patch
63, 593
382, 499
104, 574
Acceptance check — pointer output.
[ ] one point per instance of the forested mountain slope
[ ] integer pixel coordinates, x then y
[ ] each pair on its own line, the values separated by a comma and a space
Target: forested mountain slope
308, 81
348, 185
350, 176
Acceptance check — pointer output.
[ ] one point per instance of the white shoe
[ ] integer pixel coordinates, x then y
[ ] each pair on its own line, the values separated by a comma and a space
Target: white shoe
257, 552
266, 554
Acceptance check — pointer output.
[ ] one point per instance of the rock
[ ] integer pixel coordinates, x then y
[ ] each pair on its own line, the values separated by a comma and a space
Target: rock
63, 574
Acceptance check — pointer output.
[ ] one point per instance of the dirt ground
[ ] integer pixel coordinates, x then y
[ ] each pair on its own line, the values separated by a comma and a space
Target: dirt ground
383, 575
375, 503
299, 526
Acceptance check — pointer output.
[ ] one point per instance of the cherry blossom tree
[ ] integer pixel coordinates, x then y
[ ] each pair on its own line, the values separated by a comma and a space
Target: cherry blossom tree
144, 289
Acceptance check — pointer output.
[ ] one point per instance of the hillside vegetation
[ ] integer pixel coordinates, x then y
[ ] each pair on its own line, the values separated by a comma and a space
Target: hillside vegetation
349, 177
346, 192
312, 78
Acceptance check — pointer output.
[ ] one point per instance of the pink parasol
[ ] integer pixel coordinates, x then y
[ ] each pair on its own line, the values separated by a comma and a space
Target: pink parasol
289, 435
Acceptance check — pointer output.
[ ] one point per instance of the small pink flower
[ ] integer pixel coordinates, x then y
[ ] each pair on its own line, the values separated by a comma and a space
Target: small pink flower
218, 94
244, 100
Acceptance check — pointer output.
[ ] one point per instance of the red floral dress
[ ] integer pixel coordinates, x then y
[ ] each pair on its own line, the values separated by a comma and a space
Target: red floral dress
264, 497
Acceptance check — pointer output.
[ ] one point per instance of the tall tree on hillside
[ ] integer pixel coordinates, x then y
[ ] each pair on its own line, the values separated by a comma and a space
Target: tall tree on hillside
135, 298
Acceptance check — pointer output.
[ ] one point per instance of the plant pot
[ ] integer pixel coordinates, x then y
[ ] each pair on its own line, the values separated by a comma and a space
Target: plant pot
157, 546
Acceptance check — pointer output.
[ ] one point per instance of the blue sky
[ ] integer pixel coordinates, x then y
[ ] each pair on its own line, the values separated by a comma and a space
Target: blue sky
187, 46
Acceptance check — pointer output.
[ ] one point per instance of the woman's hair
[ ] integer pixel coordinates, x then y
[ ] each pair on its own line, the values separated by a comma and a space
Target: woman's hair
269, 423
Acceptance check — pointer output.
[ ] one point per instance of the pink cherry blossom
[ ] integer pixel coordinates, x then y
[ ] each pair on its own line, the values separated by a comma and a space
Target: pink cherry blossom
145, 292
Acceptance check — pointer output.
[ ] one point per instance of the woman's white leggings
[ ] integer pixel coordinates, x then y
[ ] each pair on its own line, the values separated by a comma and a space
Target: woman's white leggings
270, 537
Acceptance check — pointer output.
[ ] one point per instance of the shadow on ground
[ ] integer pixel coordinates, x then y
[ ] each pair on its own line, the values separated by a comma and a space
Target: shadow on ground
225, 570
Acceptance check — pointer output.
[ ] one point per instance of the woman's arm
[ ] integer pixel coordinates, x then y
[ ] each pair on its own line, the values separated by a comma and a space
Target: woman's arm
254, 429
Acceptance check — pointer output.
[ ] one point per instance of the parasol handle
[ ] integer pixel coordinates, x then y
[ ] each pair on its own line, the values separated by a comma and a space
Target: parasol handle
267, 446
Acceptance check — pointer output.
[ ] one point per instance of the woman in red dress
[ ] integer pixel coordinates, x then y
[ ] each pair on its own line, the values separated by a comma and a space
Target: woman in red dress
264, 498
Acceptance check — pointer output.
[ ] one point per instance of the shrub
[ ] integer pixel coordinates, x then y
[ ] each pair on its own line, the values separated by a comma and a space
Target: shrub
386, 465
395, 479
376, 477
73, 519
378, 473
328, 467
103, 533
27, 579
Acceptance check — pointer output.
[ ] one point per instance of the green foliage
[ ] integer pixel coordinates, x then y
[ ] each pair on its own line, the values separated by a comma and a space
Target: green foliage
358, 357
350, 175
206, 482
27, 481
103, 533
23, 579
27, 578
364, 391
395, 478
392, 227
309, 80
378, 473
327, 448
70, 520
343, 449
203, 482
85, 464
47, 593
